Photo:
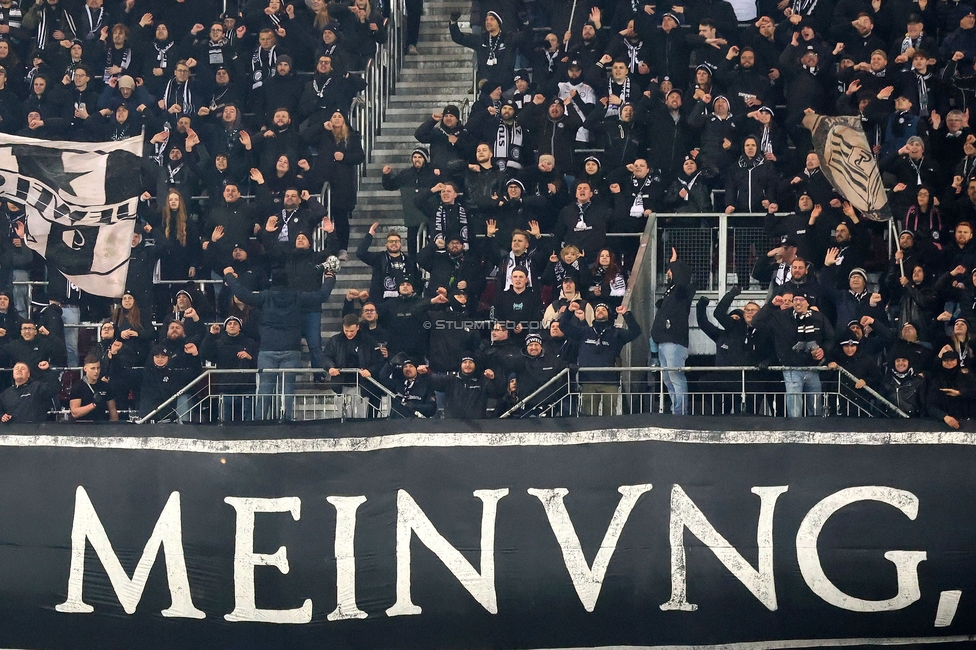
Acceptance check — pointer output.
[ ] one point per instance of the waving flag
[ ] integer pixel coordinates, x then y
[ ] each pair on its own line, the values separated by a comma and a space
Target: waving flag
849, 164
80, 201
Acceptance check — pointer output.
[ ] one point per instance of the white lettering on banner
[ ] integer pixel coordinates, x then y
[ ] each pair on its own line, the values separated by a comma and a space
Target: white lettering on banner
906, 562
588, 580
167, 533
685, 514
345, 552
245, 559
411, 519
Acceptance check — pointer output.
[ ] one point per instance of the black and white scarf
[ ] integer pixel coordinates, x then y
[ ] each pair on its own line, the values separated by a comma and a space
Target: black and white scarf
171, 172
624, 95
909, 43
688, 183
94, 23
921, 81
319, 91
581, 224
215, 51
637, 207
183, 97
633, 50
50, 23
161, 53
804, 7
508, 145
552, 60
124, 61
446, 214
765, 142
513, 262
493, 44
258, 67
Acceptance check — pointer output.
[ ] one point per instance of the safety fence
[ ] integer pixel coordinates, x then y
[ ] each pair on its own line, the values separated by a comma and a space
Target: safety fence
776, 391
227, 396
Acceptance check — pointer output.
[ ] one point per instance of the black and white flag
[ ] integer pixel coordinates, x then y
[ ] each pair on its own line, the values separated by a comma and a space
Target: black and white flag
80, 200
849, 164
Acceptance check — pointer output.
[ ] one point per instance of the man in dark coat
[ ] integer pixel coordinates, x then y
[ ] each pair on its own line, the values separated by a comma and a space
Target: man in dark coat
28, 400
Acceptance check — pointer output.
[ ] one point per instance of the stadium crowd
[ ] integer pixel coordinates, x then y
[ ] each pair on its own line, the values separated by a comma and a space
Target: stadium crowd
593, 117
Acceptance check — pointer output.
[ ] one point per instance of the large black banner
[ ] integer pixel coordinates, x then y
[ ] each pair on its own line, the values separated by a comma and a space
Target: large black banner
529, 535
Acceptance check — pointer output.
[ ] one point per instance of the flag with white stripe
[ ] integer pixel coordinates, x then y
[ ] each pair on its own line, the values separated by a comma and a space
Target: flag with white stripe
80, 200
849, 164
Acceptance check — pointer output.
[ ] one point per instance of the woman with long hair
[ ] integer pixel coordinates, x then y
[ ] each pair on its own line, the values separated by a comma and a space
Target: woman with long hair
127, 351
340, 154
181, 241
608, 283
961, 341
925, 220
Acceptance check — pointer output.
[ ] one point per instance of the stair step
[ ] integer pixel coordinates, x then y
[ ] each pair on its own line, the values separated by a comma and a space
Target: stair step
412, 63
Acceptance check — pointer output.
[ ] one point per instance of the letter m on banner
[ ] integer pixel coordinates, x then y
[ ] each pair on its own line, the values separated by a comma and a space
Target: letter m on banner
80, 203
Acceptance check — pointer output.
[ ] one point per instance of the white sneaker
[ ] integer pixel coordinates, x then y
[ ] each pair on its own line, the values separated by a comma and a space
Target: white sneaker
343, 255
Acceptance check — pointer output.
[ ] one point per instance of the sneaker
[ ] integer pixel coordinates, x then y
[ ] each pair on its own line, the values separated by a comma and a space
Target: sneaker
331, 265
412, 50
343, 255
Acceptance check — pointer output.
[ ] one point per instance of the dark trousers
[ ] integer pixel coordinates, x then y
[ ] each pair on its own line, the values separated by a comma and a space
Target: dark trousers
415, 9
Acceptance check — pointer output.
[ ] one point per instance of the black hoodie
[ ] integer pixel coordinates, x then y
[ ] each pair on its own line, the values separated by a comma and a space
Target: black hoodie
671, 318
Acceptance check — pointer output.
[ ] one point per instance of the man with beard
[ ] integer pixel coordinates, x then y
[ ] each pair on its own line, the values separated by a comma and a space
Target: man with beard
534, 370
555, 126
506, 134
467, 392
404, 317
590, 46
452, 269
849, 246
802, 337
719, 132
177, 173
449, 141
413, 395
524, 252
599, 346
412, 182
329, 90
582, 94
496, 50
301, 213
484, 183
748, 88
390, 268
283, 90
281, 138
672, 134
230, 221
622, 140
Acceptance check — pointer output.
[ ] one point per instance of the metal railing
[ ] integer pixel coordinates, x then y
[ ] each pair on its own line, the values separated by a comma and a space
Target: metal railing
725, 390
269, 394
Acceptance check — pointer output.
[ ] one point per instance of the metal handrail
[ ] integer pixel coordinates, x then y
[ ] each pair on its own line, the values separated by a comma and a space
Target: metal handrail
243, 371
562, 373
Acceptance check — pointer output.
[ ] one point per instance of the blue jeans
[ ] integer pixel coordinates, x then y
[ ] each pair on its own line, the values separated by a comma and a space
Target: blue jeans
312, 331
270, 386
673, 355
802, 393
71, 315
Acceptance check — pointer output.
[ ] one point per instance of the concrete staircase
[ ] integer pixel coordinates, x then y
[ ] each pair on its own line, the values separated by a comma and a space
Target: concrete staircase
441, 74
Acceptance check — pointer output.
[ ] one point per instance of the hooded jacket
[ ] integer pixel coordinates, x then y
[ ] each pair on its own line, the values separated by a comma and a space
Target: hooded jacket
282, 311
673, 308
600, 344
